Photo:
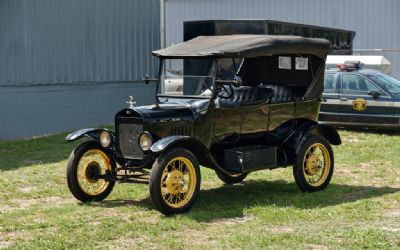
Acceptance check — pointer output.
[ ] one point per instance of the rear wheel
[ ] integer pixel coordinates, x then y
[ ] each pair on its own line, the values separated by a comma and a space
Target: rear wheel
85, 164
174, 181
314, 165
230, 178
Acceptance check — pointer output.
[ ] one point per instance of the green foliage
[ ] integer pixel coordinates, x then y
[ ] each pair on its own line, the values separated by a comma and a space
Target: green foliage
359, 209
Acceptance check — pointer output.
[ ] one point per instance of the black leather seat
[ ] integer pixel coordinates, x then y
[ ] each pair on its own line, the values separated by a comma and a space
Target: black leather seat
282, 94
246, 95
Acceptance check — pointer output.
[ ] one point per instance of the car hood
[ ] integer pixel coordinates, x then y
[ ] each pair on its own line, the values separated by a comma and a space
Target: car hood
165, 112
171, 110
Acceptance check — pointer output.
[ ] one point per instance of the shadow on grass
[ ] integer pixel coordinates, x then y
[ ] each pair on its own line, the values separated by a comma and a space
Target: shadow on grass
145, 203
229, 201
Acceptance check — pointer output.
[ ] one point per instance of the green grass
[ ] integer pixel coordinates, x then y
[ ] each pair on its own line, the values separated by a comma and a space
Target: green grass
359, 209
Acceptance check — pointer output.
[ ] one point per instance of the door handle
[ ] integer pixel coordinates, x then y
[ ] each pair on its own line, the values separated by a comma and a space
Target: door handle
343, 99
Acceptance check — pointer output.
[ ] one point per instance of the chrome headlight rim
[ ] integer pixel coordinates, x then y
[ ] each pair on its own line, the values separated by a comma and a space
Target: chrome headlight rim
105, 138
145, 145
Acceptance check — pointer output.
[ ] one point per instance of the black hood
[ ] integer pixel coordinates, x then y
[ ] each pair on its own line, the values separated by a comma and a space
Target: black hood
171, 109
164, 111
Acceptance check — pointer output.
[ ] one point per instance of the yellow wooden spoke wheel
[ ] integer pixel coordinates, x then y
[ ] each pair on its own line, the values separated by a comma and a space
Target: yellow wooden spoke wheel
92, 164
178, 182
314, 165
174, 181
86, 164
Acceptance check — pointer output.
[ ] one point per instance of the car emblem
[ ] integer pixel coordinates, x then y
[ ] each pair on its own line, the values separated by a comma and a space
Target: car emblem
131, 102
359, 104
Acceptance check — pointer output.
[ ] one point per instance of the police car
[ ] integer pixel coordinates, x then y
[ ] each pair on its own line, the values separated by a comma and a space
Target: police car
360, 97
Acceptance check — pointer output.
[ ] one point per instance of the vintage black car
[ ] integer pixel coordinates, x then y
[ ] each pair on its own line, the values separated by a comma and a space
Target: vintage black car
356, 97
243, 103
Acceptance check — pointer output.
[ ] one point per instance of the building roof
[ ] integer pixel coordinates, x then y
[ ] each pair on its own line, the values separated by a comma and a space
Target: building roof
245, 46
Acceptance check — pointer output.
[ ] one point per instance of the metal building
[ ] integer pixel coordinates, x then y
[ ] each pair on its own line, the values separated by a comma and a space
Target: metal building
68, 64
375, 22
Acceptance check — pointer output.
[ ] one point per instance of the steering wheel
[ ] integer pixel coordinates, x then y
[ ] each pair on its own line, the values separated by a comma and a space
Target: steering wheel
224, 92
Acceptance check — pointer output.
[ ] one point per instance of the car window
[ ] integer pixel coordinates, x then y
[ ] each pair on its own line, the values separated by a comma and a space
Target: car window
355, 84
329, 84
386, 82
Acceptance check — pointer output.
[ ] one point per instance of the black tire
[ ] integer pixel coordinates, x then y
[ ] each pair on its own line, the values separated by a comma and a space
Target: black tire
72, 173
156, 179
230, 179
301, 170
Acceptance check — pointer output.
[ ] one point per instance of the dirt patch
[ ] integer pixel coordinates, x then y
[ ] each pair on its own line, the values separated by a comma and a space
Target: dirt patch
8, 238
26, 189
193, 239
393, 212
391, 229
128, 242
281, 229
52, 201
317, 247
232, 221
4, 244
351, 139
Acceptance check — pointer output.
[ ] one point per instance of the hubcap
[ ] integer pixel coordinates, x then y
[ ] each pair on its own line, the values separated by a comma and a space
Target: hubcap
92, 172
92, 164
316, 164
178, 182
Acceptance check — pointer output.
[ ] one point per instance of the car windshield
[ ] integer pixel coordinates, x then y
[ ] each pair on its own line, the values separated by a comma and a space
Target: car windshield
187, 77
386, 82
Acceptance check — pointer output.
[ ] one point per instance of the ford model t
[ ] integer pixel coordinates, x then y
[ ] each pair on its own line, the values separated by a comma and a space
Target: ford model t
235, 104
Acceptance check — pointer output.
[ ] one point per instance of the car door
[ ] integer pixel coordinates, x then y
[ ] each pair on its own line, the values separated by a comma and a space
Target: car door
360, 108
330, 105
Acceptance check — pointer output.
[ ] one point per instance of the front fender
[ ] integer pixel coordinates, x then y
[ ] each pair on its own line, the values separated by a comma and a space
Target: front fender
93, 133
201, 152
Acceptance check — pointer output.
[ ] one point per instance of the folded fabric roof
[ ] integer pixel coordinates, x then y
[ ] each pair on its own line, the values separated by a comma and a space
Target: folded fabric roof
245, 46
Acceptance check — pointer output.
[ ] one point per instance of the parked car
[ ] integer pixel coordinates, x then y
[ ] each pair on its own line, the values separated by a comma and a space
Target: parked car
248, 102
360, 97
173, 83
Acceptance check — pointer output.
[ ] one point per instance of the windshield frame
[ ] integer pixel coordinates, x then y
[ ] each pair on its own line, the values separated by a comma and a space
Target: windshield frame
160, 78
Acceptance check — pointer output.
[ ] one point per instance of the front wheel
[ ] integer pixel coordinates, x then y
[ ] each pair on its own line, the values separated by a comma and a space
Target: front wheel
174, 181
85, 164
314, 165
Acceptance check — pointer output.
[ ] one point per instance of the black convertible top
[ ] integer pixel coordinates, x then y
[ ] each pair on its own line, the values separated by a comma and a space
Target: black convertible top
246, 46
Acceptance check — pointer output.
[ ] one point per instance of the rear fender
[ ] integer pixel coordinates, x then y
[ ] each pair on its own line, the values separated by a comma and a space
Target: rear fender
302, 132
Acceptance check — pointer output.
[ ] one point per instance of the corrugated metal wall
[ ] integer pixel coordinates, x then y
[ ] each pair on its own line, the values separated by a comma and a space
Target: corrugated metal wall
376, 22
68, 64
74, 41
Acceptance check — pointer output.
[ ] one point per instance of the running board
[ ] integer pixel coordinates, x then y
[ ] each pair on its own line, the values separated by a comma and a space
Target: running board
250, 158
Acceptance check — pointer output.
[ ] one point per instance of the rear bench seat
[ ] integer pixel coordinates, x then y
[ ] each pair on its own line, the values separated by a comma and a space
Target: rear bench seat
282, 93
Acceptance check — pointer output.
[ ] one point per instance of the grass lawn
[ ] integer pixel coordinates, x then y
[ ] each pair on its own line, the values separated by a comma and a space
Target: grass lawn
359, 209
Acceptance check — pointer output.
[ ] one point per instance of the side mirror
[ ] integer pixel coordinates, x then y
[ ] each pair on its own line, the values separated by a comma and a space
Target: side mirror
375, 94
146, 79
237, 81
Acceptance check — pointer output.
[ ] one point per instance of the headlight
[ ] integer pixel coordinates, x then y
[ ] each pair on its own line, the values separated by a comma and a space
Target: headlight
145, 141
105, 139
